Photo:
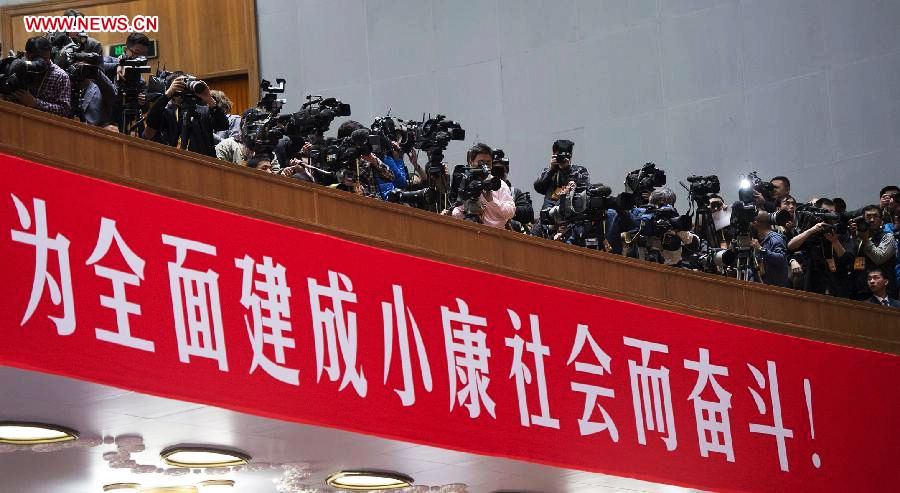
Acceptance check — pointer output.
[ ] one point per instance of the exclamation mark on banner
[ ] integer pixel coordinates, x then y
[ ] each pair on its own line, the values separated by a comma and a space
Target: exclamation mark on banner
816, 460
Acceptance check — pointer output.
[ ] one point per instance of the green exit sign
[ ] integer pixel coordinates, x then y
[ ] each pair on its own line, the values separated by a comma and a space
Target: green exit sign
117, 50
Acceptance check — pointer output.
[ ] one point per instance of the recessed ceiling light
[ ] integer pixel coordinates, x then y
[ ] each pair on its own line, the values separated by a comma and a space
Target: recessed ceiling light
122, 487
216, 486
203, 457
25, 433
368, 480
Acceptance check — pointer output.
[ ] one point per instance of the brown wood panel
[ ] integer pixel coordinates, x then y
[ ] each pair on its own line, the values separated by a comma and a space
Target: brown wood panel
145, 165
235, 87
207, 38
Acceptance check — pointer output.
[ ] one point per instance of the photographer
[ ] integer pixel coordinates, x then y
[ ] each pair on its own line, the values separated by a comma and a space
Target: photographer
819, 249
669, 236
234, 121
51, 91
524, 216
86, 43
491, 207
555, 178
782, 187
771, 250
872, 248
166, 119
98, 97
889, 201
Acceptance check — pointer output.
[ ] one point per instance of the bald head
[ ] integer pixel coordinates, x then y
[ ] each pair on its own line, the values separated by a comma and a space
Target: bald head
764, 220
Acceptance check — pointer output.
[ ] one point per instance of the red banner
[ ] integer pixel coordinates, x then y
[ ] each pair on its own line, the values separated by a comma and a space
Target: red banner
126, 288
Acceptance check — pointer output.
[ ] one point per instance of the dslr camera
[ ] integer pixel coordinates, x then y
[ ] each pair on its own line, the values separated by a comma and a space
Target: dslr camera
562, 150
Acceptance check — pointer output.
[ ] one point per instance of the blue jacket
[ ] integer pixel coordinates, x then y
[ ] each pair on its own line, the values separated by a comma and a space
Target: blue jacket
400, 181
774, 256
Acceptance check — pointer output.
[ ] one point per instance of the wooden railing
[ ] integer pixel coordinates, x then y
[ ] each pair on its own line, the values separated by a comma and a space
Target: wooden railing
183, 175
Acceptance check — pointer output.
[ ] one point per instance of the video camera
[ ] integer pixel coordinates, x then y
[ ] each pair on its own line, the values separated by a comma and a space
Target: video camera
18, 73
432, 136
808, 216
645, 179
420, 199
315, 116
765, 188
470, 182
702, 186
269, 101
580, 203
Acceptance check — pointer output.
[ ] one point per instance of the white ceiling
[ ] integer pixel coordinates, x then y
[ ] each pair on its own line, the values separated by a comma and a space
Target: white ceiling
101, 411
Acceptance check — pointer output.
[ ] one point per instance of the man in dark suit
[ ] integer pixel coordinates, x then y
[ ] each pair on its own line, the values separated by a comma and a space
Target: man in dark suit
878, 285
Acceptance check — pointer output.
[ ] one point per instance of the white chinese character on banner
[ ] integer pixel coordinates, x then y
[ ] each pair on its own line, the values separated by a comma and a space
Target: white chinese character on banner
195, 296
591, 392
777, 429
267, 300
467, 360
60, 292
713, 425
651, 395
332, 327
118, 302
522, 373
399, 312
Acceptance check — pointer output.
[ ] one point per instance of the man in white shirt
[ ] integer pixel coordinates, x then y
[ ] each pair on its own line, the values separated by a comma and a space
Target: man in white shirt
496, 206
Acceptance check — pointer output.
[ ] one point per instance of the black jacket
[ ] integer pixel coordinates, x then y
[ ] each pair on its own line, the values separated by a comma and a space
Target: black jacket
166, 120
551, 180
891, 302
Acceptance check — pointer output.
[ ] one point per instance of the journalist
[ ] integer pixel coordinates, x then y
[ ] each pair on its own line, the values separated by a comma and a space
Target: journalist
669, 247
51, 90
493, 208
555, 178
771, 250
98, 98
178, 119
871, 247
824, 256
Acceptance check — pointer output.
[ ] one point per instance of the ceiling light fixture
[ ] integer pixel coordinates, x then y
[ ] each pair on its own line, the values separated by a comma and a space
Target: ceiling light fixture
171, 489
216, 486
27, 433
184, 456
368, 480
122, 487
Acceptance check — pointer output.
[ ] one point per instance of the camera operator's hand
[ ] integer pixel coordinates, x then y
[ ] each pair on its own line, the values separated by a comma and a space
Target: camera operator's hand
758, 198
206, 96
25, 97
177, 85
414, 159
755, 244
796, 268
369, 158
553, 164
304, 151
820, 228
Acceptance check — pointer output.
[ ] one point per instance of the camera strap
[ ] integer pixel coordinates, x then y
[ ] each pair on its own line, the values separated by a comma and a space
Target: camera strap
829, 259
859, 263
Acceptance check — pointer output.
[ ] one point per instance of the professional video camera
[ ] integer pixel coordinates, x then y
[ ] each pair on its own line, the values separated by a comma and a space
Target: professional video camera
18, 73
580, 203
468, 184
129, 87
500, 159
645, 179
765, 188
263, 128
702, 186
269, 101
655, 225
433, 136
315, 116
